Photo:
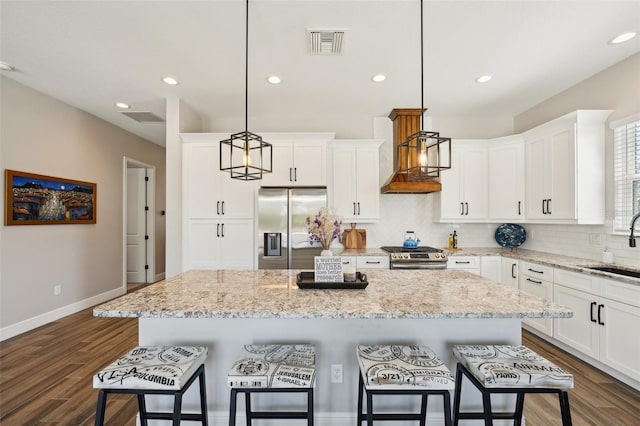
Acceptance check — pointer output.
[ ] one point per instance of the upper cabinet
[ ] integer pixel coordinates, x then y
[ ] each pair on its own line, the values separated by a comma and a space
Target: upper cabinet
299, 160
355, 182
565, 169
209, 193
506, 179
464, 187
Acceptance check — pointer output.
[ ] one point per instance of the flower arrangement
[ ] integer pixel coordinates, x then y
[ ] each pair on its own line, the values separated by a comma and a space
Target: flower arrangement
324, 228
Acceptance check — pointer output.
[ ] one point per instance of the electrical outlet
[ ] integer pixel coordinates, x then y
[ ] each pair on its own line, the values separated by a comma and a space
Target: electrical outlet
336, 373
57, 290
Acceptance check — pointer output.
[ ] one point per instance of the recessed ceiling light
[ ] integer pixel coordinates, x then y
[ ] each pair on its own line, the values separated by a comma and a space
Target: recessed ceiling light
170, 80
274, 79
6, 66
378, 78
623, 37
122, 105
483, 79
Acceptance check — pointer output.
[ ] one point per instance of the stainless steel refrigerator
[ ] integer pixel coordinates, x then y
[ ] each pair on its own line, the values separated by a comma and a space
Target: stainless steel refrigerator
283, 239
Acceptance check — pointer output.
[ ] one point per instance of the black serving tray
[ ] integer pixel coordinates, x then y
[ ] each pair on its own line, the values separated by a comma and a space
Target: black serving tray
306, 280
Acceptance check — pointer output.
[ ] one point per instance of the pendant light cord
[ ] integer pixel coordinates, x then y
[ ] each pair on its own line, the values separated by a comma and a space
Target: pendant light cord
246, 72
421, 70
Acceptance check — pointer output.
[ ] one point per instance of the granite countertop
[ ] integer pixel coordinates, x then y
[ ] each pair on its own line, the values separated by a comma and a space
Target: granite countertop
574, 264
369, 251
274, 294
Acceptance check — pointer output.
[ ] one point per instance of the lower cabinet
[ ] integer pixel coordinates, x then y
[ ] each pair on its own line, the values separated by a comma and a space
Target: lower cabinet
490, 267
372, 262
602, 328
529, 282
217, 244
509, 275
466, 263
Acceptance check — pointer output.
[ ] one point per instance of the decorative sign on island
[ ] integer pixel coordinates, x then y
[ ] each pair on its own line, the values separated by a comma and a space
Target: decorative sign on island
328, 269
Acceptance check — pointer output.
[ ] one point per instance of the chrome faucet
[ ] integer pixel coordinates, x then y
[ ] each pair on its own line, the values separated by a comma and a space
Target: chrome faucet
632, 238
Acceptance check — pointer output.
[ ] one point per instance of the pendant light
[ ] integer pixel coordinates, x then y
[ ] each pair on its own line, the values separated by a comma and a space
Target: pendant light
248, 157
424, 154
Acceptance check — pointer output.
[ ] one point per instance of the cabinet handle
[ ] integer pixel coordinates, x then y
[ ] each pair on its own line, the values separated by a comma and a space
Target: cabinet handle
218, 230
593, 304
467, 209
290, 174
599, 311
534, 281
295, 174
519, 210
222, 233
458, 262
549, 206
223, 207
218, 207
346, 262
358, 208
377, 262
543, 209
513, 270
461, 209
354, 208
537, 272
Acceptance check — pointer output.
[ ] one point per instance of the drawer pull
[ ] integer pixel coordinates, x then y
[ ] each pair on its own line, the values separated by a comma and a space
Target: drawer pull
534, 281
537, 272
461, 263
377, 262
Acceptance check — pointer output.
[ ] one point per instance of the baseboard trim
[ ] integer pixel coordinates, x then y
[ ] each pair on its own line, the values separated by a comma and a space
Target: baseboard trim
43, 319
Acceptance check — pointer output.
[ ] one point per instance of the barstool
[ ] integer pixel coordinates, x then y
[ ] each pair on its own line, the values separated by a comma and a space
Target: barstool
273, 368
508, 369
154, 370
402, 370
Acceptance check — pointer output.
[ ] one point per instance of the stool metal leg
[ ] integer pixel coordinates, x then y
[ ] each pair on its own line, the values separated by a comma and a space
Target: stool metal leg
142, 409
177, 409
519, 409
456, 395
232, 407
423, 409
100, 409
247, 407
360, 391
369, 409
486, 405
447, 408
203, 398
565, 410
310, 407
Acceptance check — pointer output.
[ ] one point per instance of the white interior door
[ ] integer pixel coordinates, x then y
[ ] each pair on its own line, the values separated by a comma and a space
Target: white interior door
136, 226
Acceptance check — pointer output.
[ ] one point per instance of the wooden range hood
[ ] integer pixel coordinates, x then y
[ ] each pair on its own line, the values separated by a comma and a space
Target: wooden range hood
406, 121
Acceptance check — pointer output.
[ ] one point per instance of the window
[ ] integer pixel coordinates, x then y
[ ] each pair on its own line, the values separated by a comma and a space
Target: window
626, 139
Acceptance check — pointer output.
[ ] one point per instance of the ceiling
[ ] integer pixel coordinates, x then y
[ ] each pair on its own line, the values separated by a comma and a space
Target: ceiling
92, 54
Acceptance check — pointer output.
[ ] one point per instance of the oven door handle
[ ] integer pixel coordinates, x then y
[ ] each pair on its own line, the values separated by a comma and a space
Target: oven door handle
421, 265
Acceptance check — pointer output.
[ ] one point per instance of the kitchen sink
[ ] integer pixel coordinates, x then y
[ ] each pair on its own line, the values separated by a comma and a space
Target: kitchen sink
617, 271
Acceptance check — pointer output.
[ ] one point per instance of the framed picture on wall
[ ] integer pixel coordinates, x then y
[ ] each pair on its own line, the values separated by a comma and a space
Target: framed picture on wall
32, 199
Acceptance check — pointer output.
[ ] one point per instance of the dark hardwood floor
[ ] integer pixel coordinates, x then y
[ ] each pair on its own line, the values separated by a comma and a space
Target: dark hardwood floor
45, 378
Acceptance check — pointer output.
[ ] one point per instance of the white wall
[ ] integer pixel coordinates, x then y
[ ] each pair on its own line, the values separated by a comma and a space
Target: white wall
616, 88
42, 135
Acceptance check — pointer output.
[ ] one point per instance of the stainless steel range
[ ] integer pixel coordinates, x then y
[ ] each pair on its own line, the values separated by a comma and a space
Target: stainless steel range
416, 258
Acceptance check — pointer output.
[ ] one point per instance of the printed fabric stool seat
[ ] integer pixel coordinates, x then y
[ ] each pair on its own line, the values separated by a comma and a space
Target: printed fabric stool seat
155, 370
402, 370
273, 368
510, 369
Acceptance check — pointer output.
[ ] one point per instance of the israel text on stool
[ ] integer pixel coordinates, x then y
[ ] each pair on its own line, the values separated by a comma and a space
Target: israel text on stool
155, 370
273, 369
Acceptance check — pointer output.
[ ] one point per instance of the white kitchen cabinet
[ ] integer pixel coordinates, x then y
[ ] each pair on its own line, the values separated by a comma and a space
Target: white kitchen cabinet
565, 169
218, 244
207, 192
510, 272
466, 263
490, 267
605, 329
537, 280
355, 184
300, 162
464, 187
372, 262
506, 179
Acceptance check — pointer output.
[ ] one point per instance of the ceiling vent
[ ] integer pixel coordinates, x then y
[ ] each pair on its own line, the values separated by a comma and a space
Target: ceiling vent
325, 42
143, 116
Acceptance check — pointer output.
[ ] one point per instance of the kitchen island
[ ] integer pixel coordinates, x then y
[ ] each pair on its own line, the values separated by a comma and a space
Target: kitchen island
225, 309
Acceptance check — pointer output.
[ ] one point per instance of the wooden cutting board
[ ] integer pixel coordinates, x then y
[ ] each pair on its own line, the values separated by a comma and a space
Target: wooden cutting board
354, 238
